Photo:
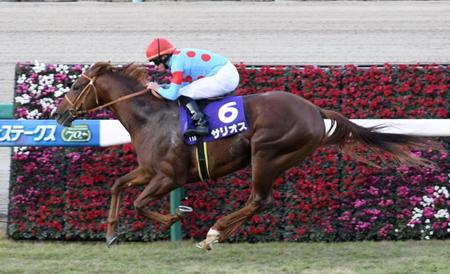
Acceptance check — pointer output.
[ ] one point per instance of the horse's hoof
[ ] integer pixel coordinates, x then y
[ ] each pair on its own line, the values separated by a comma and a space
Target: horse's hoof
110, 240
204, 245
207, 244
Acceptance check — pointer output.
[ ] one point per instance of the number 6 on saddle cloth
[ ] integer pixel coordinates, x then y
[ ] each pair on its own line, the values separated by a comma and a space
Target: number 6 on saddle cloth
226, 117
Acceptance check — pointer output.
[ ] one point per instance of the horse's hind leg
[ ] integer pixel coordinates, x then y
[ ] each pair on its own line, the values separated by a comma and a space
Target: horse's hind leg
261, 198
135, 177
266, 167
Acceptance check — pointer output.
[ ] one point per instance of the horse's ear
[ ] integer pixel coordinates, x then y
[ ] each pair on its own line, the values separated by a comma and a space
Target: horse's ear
100, 68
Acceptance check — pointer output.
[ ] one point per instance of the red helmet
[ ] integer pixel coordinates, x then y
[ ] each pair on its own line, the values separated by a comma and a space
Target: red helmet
158, 47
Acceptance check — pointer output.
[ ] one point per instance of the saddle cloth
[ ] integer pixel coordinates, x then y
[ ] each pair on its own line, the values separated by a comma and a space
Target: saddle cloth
226, 117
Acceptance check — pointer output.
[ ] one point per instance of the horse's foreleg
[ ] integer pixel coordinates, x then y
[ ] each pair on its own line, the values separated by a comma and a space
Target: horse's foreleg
158, 187
135, 177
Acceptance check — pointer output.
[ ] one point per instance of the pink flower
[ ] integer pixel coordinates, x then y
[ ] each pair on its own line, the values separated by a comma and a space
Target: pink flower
77, 68
402, 191
386, 203
50, 67
428, 212
374, 212
384, 231
19, 179
360, 203
73, 156
345, 216
406, 212
429, 190
362, 226
373, 191
436, 226
414, 200
30, 167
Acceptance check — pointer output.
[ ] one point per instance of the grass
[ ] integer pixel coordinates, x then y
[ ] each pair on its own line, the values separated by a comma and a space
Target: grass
183, 257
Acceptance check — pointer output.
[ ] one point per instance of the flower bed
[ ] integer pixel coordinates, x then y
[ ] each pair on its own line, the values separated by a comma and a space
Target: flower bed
64, 193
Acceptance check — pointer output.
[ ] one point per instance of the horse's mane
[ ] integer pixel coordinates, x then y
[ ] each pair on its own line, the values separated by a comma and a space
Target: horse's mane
131, 70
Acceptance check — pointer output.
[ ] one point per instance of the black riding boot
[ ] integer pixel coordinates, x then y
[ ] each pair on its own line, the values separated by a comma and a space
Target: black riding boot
201, 124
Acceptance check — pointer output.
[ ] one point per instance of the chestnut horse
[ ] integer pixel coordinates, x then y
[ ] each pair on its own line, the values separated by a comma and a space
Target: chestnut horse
283, 130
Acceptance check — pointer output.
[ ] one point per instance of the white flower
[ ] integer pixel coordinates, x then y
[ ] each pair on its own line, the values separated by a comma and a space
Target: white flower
21, 79
34, 114
21, 150
61, 91
24, 99
46, 80
38, 67
442, 213
62, 68
427, 237
446, 194
428, 200
47, 103
33, 88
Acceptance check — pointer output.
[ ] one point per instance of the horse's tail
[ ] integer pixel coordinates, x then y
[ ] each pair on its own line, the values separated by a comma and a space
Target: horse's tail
399, 146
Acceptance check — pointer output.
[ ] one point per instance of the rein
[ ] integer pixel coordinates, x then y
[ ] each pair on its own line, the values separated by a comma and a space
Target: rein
120, 99
79, 101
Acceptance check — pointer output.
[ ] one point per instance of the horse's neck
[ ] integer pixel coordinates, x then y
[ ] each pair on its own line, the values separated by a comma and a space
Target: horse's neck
138, 113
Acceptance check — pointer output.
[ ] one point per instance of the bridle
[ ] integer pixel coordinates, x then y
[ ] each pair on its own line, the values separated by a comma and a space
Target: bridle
76, 105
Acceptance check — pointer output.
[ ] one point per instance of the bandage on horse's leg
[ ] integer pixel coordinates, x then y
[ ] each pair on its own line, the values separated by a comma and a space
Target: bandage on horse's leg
229, 224
135, 177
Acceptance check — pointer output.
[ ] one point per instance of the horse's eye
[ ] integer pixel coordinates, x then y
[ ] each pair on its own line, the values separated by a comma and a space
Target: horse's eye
75, 87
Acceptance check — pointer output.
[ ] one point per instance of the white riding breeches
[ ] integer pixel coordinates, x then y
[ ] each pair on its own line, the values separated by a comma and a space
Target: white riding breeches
224, 81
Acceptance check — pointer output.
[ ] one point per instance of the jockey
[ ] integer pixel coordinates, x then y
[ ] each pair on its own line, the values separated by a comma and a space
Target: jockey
196, 74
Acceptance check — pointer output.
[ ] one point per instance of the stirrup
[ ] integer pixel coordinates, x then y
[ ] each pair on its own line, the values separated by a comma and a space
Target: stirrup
197, 131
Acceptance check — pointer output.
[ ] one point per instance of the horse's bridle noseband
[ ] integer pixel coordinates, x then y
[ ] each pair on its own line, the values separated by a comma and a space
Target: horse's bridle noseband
79, 101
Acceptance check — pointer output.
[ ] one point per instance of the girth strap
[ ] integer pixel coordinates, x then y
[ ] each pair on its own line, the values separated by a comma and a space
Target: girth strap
202, 159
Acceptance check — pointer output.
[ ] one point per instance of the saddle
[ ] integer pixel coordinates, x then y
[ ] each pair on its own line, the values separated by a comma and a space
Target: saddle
202, 103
